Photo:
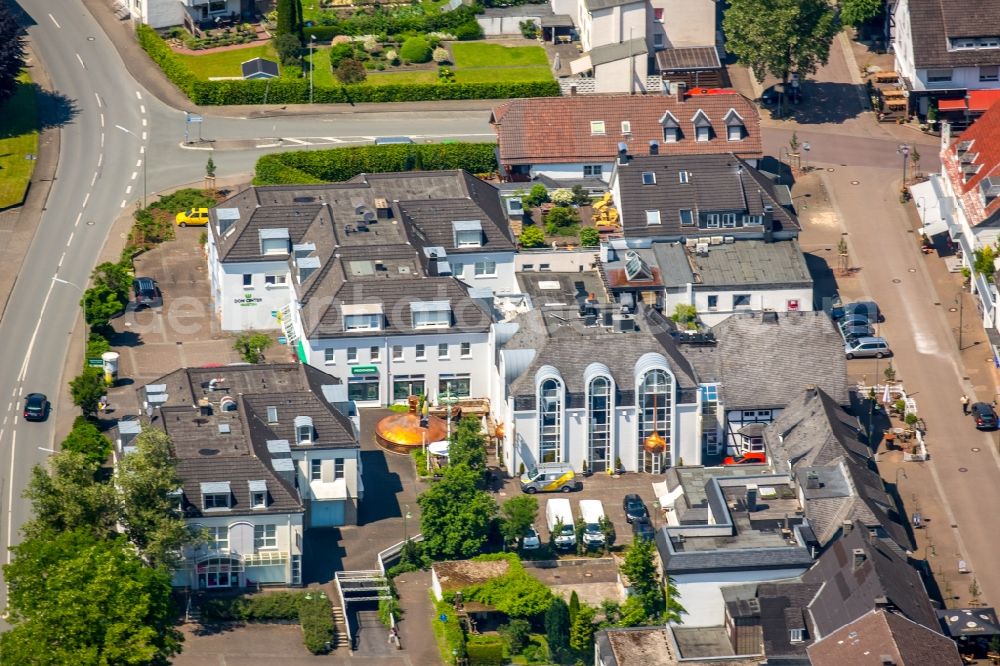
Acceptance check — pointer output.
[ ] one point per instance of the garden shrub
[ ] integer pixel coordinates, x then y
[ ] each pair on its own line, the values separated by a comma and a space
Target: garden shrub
517, 633
516, 594
415, 49
316, 618
485, 651
449, 634
339, 164
468, 31
590, 237
397, 21
288, 48
440, 55
260, 608
350, 70
561, 221
532, 237
536, 196
339, 52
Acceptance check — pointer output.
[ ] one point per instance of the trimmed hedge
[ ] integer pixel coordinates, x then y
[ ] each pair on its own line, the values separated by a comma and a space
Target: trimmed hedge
449, 635
392, 22
316, 618
260, 608
339, 164
485, 654
296, 91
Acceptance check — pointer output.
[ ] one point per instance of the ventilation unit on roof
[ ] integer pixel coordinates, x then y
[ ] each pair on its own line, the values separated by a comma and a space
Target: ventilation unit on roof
701, 249
303, 199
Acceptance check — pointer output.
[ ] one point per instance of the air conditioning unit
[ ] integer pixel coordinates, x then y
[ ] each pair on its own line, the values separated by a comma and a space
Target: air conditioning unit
702, 249
729, 239
691, 242
716, 240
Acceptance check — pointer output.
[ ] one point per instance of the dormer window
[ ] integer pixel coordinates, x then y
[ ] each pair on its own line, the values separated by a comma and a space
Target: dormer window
702, 126
468, 233
683, 177
274, 241
597, 128
795, 636
303, 430
362, 317
735, 127
431, 314
989, 188
216, 495
671, 128
648, 178
258, 494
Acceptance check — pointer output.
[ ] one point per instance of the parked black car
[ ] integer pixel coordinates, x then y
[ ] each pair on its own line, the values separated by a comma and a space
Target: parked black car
36, 407
146, 292
642, 529
634, 507
857, 331
984, 415
868, 309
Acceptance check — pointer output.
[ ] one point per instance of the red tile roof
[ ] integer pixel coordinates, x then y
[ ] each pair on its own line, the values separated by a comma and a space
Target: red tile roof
984, 138
546, 130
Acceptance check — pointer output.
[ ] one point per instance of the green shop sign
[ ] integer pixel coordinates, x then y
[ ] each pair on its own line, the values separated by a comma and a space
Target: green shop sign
364, 370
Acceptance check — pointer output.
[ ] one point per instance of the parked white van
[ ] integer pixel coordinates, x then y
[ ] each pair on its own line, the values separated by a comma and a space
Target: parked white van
592, 512
558, 511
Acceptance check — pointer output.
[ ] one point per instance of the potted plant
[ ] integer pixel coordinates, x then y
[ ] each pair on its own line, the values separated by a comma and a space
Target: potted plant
899, 407
618, 466
586, 469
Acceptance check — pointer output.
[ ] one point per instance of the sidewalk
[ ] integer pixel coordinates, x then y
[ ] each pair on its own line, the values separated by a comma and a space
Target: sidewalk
415, 632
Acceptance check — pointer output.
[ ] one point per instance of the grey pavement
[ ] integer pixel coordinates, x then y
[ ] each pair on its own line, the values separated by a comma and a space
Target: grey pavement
415, 632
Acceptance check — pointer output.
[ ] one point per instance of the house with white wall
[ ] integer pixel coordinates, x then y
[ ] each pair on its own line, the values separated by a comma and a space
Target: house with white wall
943, 50
449, 221
167, 13
569, 139
264, 452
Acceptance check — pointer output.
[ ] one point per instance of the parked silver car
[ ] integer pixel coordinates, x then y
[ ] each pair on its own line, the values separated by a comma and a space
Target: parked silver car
864, 347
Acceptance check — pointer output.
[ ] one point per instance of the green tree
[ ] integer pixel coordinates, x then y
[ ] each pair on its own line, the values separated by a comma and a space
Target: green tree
86, 439
685, 315
574, 606
561, 221
67, 496
147, 484
674, 610
517, 633
983, 260
416, 49
288, 47
639, 566
116, 277
779, 37
251, 346
100, 303
455, 514
210, 168
856, 12
11, 52
580, 195
285, 10
340, 52
75, 599
537, 196
608, 530
468, 445
590, 237
515, 594
350, 71
581, 633
557, 630
532, 237
516, 515
86, 390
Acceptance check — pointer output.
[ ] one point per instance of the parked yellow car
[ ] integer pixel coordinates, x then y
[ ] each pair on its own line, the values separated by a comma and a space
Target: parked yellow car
193, 217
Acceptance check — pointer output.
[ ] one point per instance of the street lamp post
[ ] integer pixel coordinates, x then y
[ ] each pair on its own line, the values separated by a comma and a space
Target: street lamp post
961, 306
145, 159
904, 150
312, 66
83, 301
406, 516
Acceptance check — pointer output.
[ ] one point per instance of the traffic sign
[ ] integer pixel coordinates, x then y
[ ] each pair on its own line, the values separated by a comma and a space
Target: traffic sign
194, 118
443, 617
95, 363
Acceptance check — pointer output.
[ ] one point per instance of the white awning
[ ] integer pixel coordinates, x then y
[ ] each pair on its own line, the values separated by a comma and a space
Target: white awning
328, 490
926, 196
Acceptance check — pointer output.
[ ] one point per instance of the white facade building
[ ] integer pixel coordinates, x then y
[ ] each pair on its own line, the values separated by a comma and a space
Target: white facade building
167, 13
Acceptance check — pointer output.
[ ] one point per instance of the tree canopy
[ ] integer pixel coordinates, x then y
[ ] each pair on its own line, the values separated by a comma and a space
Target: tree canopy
650, 602
86, 389
86, 438
856, 12
516, 515
778, 37
147, 482
557, 630
11, 52
77, 599
468, 445
455, 514
69, 497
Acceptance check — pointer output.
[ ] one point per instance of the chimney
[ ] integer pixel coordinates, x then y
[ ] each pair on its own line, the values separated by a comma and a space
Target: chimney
622, 153
768, 221
654, 147
680, 91
751, 498
858, 558
769, 317
812, 481
945, 134
847, 526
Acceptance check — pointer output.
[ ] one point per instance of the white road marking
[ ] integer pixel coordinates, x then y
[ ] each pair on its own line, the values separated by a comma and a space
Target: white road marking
55, 21
98, 98
142, 108
144, 124
128, 190
86, 198
78, 216
134, 174
10, 497
123, 204
81, 61
5, 422
137, 95
102, 120
143, 149
102, 139
20, 392
100, 160
138, 163
59, 265
34, 335
298, 141
94, 179
70, 240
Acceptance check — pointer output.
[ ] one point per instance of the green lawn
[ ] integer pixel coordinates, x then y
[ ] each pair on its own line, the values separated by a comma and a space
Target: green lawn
226, 63
486, 75
18, 138
413, 76
479, 54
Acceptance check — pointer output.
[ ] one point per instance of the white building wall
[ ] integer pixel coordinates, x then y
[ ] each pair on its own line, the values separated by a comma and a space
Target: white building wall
613, 77
557, 261
688, 447
288, 533
902, 42
686, 22
778, 300
157, 13
244, 308
614, 25
701, 594
476, 364
504, 281
568, 7
961, 77
570, 170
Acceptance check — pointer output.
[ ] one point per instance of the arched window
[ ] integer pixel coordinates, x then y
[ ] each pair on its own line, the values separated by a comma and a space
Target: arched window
599, 394
655, 396
550, 420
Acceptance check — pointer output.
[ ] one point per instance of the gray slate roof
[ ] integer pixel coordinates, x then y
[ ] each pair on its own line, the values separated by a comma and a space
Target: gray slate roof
887, 635
431, 223
765, 362
715, 183
602, 55
847, 594
783, 606
687, 58
748, 262
733, 559
934, 22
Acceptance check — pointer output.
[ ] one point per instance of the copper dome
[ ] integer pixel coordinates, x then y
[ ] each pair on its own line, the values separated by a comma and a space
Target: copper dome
401, 433
654, 443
